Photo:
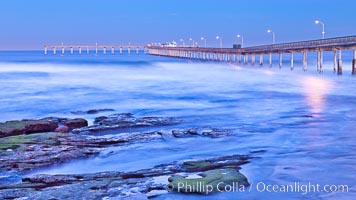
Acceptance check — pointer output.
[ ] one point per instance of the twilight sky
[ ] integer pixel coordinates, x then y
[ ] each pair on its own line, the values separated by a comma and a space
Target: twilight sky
29, 24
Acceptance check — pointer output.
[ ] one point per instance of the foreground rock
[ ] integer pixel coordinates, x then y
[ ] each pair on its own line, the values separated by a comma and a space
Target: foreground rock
27, 152
18, 127
144, 183
216, 180
76, 123
125, 120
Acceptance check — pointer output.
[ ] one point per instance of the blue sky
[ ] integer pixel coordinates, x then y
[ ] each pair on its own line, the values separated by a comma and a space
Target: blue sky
29, 24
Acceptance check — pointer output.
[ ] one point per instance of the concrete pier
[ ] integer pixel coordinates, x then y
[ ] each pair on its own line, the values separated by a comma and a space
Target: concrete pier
305, 61
291, 60
339, 64
335, 60
354, 63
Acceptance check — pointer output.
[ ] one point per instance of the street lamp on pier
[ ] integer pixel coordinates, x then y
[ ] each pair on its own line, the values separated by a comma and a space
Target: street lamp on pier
323, 27
273, 36
190, 39
202, 38
182, 40
242, 39
219, 38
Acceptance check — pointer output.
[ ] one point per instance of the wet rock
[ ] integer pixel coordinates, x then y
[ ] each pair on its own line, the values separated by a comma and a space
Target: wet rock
76, 123
125, 120
93, 111
43, 149
17, 127
208, 181
141, 184
62, 129
204, 131
99, 119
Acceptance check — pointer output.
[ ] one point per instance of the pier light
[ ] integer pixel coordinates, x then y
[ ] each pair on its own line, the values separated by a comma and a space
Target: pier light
203, 39
182, 40
242, 39
273, 36
323, 27
191, 39
219, 38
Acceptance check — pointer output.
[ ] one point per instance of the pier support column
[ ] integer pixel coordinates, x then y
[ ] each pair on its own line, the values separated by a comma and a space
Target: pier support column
96, 50
104, 50
354, 63
129, 50
54, 51
320, 61
280, 60
335, 60
246, 59
253, 59
45, 51
270, 60
71, 51
339, 64
120, 50
239, 58
112, 51
291, 60
80, 50
136, 50
261, 59
305, 61
62, 51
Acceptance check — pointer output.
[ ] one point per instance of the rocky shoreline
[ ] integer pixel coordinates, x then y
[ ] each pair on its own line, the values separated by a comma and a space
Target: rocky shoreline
31, 144
144, 183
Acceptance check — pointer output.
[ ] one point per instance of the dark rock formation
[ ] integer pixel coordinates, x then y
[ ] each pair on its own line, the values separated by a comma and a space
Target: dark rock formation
125, 120
62, 129
17, 127
76, 123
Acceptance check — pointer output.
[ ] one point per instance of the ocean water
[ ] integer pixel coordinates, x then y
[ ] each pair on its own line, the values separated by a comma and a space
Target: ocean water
299, 126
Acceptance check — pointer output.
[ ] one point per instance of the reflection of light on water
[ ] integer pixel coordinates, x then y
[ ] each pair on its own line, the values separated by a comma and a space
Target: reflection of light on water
316, 90
266, 72
236, 67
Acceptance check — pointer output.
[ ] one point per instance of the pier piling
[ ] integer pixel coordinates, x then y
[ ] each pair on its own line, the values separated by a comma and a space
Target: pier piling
270, 60
339, 64
291, 60
305, 61
354, 63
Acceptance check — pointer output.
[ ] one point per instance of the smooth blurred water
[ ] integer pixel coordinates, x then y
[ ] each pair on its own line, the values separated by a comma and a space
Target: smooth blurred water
299, 125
